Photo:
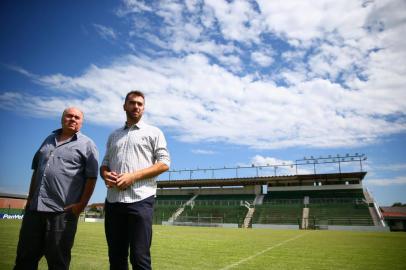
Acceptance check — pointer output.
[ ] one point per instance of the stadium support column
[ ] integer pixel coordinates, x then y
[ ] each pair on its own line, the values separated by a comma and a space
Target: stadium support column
258, 189
305, 218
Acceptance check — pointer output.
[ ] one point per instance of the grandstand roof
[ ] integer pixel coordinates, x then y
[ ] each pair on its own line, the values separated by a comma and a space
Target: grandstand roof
13, 195
262, 180
395, 212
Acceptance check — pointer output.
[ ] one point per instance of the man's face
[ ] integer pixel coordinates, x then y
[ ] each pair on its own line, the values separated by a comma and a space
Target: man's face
72, 120
134, 107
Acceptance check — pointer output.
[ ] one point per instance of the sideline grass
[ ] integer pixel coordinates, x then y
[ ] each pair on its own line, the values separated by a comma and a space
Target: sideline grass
219, 248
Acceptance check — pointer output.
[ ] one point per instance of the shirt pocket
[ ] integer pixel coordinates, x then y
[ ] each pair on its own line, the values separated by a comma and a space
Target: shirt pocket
69, 163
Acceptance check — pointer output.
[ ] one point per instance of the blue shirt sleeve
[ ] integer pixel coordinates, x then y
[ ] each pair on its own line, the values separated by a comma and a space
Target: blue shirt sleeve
92, 163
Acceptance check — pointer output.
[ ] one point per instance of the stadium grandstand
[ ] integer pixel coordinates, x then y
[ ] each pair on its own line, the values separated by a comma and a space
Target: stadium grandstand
312, 193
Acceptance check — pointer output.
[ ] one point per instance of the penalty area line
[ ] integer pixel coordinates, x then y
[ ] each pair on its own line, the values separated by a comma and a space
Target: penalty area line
262, 252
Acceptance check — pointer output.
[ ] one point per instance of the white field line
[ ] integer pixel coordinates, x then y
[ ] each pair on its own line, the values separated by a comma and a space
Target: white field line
262, 252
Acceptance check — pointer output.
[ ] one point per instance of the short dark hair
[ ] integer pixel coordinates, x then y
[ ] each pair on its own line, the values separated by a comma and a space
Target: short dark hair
136, 93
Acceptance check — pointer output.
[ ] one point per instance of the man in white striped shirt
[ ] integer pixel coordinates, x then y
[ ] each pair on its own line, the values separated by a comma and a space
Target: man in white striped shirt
135, 155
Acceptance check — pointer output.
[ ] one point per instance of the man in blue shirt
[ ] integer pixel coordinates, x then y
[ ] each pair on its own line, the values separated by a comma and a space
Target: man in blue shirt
65, 170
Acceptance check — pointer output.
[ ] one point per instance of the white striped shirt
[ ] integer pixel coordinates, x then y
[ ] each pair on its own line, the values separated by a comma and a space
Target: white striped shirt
134, 148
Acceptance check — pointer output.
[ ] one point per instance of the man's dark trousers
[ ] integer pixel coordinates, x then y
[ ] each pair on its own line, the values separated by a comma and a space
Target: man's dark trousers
49, 234
129, 226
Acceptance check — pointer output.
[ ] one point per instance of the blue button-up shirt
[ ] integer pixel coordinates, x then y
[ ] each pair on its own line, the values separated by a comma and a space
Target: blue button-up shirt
61, 171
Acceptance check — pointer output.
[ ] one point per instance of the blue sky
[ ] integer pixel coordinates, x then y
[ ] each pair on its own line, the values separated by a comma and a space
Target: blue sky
229, 82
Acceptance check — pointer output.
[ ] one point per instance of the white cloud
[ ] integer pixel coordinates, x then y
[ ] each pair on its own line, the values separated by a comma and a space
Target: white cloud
133, 6
390, 167
305, 21
343, 74
262, 58
237, 19
203, 101
203, 152
293, 167
275, 166
399, 180
259, 160
105, 32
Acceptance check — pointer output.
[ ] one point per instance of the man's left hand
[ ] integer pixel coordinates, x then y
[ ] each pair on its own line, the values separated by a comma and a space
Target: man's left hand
76, 208
125, 180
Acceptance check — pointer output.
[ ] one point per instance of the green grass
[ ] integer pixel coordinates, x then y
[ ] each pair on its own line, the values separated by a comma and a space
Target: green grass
219, 248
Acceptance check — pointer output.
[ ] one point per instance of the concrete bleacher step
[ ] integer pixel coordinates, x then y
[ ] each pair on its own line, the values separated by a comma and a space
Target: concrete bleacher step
374, 216
368, 197
374, 210
180, 210
248, 218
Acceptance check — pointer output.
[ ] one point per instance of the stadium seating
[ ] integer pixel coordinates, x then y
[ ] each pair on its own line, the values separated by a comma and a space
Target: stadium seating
339, 207
326, 207
166, 205
340, 213
214, 214
217, 209
278, 213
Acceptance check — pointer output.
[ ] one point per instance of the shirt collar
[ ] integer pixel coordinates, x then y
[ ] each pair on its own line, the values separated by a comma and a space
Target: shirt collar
138, 125
59, 131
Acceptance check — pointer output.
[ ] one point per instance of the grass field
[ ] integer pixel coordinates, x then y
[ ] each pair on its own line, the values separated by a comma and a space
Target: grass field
221, 248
